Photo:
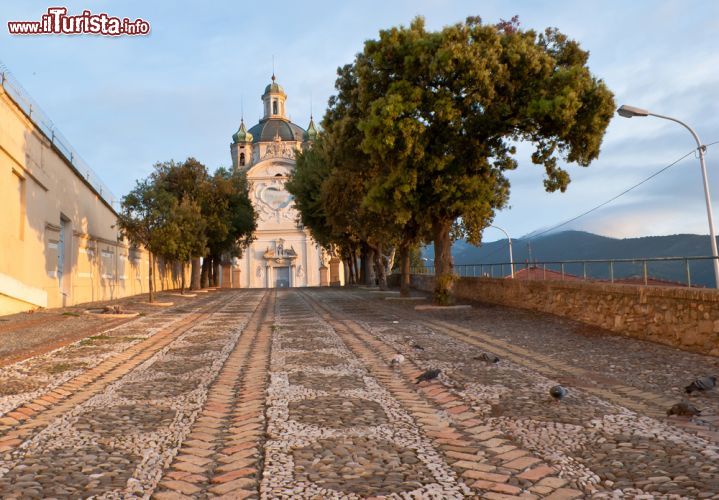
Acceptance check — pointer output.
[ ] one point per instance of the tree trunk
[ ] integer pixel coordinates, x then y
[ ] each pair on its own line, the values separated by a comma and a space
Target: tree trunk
211, 272
356, 262
379, 265
182, 278
444, 277
404, 279
152, 278
369, 264
363, 264
205, 275
195, 271
216, 270
352, 266
390, 260
155, 269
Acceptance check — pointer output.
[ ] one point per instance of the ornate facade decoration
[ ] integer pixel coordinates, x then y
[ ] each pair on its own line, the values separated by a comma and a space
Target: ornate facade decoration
283, 253
277, 149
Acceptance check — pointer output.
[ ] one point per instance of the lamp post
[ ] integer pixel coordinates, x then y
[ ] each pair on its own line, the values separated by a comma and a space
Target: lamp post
630, 111
511, 260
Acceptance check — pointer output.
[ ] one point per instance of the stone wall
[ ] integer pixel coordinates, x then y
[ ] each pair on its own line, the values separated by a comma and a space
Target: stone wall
681, 317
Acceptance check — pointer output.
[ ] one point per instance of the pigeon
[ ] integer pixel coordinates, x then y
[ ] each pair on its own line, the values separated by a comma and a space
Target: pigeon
397, 360
702, 384
684, 408
487, 357
428, 375
558, 392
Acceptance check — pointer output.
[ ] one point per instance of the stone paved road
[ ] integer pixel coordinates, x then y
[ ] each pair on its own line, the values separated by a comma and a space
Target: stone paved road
289, 394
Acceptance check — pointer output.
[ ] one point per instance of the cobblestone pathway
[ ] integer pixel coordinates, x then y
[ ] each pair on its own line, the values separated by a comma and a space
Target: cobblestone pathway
290, 394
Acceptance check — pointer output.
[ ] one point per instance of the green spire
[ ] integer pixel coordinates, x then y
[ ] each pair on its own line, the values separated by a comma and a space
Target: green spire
311, 130
242, 135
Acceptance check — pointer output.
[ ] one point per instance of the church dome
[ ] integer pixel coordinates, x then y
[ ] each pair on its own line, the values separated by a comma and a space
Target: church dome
268, 129
274, 87
242, 135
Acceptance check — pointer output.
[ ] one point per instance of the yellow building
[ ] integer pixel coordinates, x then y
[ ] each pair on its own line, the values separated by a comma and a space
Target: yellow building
58, 241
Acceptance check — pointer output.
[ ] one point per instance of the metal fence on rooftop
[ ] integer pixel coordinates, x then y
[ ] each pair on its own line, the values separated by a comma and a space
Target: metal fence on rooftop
658, 271
22, 98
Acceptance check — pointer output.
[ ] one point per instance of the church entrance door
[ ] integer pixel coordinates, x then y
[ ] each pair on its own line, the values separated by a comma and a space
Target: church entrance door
282, 277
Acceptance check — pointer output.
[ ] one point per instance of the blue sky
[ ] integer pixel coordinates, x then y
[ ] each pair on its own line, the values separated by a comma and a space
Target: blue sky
125, 103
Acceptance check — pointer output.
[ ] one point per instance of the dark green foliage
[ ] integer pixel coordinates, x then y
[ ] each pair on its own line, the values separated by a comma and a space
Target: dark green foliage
148, 219
181, 212
443, 110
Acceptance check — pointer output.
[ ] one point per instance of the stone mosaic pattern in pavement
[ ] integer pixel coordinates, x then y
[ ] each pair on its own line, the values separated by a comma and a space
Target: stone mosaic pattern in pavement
290, 394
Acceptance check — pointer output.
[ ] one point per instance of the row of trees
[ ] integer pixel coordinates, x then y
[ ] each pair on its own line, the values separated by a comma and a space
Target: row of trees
184, 214
418, 139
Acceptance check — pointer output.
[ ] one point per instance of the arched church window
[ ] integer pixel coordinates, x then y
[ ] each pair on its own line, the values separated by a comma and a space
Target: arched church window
242, 159
274, 107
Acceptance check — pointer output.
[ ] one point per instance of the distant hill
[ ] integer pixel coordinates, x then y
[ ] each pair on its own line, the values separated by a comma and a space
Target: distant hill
580, 245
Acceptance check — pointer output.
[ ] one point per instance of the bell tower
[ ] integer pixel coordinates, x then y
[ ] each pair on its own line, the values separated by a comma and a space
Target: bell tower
274, 101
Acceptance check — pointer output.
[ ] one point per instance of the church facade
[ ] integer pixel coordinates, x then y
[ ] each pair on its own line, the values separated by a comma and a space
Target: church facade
283, 254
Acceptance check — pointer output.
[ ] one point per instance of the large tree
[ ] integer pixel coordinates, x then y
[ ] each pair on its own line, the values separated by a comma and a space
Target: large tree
330, 185
189, 183
230, 219
191, 241
149, 219
442, 112
213, 215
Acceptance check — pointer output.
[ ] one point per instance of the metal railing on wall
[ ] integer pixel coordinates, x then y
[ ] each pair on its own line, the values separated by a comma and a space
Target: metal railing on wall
17, 93
662, 271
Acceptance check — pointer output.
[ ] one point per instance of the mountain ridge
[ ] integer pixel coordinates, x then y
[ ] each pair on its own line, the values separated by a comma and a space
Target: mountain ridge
582, 245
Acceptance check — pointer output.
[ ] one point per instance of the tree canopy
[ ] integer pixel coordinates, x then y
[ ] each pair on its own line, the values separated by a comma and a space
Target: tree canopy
148, 218
181, 212
424, 126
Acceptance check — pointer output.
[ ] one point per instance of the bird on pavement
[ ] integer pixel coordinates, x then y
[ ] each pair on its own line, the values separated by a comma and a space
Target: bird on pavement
684, 408
430, 374
558, 392
397, 360
702, 384
487, 357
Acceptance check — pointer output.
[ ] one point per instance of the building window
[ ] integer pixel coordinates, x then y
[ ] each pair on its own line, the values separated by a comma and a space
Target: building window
274, 107
107, 261
242, 159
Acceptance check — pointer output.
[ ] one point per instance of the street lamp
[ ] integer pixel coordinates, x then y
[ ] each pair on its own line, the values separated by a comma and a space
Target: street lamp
630, 111
511, 260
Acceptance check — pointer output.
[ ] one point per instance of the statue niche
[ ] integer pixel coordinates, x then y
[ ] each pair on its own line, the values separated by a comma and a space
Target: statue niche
280, 256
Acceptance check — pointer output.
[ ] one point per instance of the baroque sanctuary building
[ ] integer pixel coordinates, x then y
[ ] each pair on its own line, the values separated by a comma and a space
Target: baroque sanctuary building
283, 253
